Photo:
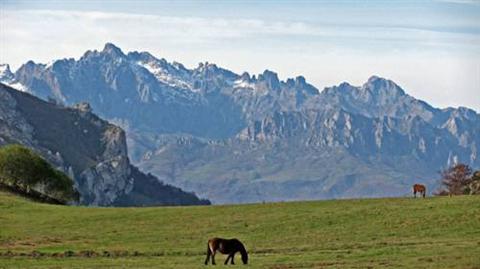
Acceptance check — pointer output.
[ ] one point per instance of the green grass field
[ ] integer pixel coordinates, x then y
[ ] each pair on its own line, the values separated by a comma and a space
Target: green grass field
440, 232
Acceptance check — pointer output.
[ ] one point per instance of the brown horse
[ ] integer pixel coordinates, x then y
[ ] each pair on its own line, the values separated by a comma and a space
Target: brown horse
226, 246
420, 189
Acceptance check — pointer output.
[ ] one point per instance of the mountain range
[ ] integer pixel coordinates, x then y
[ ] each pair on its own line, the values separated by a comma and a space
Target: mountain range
236, 138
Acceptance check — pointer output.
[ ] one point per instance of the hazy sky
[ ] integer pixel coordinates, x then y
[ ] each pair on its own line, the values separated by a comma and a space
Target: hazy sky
430, 48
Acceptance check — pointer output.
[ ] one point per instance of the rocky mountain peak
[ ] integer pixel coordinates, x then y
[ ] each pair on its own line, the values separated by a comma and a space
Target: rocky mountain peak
300, 81
204, 67
343, 89
153, 64
245, 77
61, 65
208, 71
28, 71
30, 66
141, 56
270, 78
5, 73
179, 66
381, 86
466, 112
112, 50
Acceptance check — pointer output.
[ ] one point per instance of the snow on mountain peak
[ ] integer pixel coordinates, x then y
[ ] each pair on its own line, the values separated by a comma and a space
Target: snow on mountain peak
8, 78
164, 75
244, 83
5, 73
4, 67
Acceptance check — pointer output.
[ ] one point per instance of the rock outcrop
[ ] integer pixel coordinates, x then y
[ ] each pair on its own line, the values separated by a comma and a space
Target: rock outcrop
90, 150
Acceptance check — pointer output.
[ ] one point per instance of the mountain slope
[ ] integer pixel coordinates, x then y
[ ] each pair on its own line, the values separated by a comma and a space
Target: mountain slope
241, 137
89, 149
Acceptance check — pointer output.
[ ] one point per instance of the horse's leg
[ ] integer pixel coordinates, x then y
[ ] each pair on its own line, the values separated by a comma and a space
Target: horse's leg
424, 194
233, 256
208, 257
414, 194
213, 257
226, 261
209, 252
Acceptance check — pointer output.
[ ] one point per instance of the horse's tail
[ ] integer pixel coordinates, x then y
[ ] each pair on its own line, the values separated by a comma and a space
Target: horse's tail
209, 250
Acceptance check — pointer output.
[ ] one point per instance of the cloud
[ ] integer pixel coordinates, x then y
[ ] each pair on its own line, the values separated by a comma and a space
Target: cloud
438, 63
68, 24
140, 25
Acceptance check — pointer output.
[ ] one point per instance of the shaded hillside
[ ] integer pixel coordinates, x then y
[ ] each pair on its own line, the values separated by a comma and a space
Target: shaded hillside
148, 188
87, 148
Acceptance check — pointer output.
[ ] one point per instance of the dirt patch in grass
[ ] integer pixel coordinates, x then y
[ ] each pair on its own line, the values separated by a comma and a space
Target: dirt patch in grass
93, 254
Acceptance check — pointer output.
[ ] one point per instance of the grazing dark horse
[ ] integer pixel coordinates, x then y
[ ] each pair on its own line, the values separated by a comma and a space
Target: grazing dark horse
226, 246
420, 189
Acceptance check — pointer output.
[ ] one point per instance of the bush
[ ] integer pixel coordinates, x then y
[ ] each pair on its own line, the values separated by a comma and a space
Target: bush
24, 170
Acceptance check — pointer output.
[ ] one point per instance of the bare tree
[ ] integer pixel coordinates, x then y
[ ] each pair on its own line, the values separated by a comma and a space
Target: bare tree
456, 180
474, 186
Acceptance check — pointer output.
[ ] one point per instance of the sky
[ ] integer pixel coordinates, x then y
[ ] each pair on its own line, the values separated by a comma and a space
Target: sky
430, 48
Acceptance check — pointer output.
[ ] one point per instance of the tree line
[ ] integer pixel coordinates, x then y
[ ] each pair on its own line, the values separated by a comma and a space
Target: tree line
25, 172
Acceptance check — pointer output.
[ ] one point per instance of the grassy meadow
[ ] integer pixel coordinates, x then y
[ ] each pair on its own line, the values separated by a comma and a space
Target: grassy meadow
438, 232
